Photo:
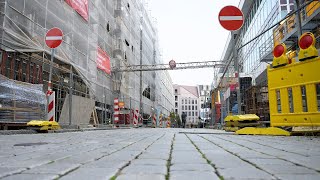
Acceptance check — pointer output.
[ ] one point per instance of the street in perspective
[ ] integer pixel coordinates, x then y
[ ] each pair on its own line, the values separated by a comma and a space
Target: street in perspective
160, 90
158, 154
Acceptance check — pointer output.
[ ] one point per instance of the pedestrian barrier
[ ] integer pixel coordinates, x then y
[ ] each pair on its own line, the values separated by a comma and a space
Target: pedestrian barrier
236, 122
136, 117
294, 88
51, 105
168, 123
116, 110
154, 120
160, 120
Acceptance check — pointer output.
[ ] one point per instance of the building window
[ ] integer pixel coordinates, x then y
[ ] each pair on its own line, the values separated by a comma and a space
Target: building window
175, 98
192, 107
189, 113
182, 101
175, 91
192, 113
176, 111
182, 107
196, 113
196, 108
189, 107
192, 102
196, 101
176, 104
189, 101
186, 108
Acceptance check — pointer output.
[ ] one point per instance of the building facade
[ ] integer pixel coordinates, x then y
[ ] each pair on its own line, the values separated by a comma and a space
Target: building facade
99, 36
204, 97
260, 16
186, 100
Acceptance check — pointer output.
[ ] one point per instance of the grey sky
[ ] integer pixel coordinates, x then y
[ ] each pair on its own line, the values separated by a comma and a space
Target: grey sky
189, 30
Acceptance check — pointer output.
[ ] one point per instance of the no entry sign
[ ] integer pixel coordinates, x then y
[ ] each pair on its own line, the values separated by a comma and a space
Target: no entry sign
54, 37
231, 18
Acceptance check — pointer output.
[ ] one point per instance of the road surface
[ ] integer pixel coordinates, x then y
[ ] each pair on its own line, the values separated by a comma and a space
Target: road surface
157, 154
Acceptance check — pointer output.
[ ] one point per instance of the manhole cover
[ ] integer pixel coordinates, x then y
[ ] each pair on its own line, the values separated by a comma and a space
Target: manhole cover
31, 144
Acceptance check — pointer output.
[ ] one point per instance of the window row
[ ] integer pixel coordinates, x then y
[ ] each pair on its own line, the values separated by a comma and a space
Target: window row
195, 114
190, 107
188, 101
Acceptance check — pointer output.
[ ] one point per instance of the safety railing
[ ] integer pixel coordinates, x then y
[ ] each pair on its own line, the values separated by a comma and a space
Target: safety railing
288, 25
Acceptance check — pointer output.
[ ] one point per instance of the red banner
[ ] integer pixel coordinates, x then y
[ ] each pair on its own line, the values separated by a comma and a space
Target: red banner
81, 6
103, 61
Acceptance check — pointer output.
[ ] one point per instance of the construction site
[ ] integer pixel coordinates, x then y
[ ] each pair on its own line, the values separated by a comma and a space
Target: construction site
121, 32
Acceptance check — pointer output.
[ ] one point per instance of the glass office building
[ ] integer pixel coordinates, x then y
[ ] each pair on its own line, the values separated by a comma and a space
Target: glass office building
262, 16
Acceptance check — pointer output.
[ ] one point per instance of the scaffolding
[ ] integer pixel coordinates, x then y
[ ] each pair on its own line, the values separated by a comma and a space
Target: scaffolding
121, 28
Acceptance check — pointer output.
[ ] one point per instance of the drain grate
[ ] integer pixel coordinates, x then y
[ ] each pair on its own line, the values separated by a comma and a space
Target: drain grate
31, 144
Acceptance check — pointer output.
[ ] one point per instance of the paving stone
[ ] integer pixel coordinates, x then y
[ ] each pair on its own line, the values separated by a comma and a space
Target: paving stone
191, 167
5, 171
188, 160
53, 168
253, 155
259, 161
154, 155
281, 169
193, 175
32, 177
104, 163
244, 173
154, 162
90, 173
184, 148
299, 176
141, 177
145, 169
31, 163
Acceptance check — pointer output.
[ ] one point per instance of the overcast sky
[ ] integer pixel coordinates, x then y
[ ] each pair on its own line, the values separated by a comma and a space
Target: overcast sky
189, 31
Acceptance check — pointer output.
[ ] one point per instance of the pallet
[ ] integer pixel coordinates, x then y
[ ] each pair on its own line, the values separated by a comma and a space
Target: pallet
13, 125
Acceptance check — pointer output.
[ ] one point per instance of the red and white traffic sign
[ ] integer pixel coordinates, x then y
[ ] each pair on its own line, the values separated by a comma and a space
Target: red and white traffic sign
231, 18
53, 37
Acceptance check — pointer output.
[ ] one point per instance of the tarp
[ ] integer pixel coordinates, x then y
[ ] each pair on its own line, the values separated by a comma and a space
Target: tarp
103, 61
81, 6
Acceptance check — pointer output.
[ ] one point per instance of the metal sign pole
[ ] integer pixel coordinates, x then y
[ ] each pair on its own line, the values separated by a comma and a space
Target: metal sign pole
237, 70
50, 72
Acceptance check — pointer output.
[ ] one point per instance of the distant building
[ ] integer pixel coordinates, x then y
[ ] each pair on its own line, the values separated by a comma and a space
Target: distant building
194, 101
186, 99
204, 97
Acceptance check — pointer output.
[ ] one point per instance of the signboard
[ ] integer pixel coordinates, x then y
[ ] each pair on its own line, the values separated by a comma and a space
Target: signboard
121, 104
172, 64
53, 37
81, 6
231, 18
103, 61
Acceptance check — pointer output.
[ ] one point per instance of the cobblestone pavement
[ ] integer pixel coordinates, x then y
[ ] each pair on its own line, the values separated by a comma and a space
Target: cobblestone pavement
158, 154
